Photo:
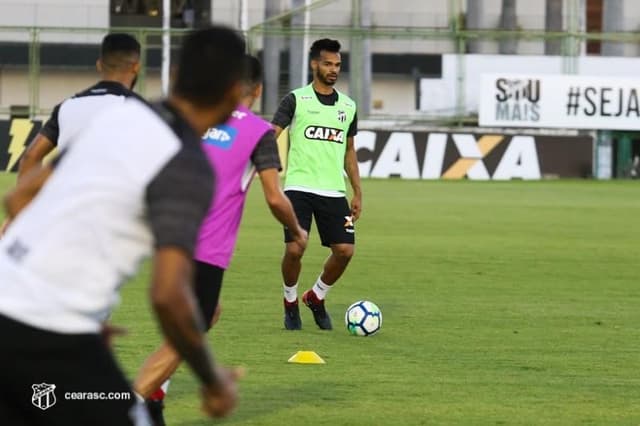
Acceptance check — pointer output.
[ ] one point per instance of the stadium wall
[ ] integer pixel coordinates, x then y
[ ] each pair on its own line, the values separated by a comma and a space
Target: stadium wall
390, 94
54, 13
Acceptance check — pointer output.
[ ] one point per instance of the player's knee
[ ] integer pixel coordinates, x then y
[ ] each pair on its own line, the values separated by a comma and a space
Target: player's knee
294, 252
344, 252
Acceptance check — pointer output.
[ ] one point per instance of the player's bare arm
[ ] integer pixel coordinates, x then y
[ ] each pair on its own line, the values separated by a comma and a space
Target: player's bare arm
351, 167
37, 150
26, 189
174, 304
32, 159
281, 206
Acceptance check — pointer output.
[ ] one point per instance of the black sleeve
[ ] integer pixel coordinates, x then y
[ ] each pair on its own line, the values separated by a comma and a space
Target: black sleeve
353, 127
178, 198
285, 112
56, 160
51, 129
265, 154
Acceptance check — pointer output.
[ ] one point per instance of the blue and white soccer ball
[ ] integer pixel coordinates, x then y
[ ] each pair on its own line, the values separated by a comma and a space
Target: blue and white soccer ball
363, 318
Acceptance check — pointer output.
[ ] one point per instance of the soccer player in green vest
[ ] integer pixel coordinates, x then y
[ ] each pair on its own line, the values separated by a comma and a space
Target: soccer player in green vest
322, 123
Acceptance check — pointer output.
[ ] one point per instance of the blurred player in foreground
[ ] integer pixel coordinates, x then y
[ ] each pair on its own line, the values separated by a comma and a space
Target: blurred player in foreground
135, 183
243, 145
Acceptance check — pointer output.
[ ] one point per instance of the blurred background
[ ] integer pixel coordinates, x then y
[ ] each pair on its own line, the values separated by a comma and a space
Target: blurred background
421, 72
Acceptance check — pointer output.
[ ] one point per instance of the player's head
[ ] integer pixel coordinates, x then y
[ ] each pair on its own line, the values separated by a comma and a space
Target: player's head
252, 81
120, 58
210, 71
325, 61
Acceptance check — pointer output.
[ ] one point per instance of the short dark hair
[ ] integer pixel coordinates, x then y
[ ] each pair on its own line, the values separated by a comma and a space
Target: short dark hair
323, 44
211, 62
252, 70
115, 44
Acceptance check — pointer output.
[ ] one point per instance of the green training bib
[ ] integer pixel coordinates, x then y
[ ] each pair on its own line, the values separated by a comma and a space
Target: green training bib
318, 141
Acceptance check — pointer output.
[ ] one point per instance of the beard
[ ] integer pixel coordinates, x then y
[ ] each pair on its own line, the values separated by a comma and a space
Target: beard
326, 80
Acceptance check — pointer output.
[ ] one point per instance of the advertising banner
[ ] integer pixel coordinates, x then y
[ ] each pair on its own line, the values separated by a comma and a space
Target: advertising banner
15, 135
474, 156
415, 154
559, 101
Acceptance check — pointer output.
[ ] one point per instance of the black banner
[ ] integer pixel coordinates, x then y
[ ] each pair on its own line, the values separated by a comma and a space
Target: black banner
416, 155
15, 135
474, 156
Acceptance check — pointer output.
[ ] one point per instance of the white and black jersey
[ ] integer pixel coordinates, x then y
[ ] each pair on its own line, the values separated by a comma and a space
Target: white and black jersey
136, 178
72, 115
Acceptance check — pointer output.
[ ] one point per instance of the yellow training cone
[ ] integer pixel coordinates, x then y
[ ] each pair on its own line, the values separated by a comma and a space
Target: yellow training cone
306, 357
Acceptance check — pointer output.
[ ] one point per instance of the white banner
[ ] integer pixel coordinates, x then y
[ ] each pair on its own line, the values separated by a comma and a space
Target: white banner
559, 101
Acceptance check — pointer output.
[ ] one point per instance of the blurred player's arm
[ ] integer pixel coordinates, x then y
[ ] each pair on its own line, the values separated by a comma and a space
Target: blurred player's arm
39, 148
267, 161
173, 301
177, 200
180, 320
284, 115
26, 189
351, 167
31, 171
281, 206
31, 160
44, 142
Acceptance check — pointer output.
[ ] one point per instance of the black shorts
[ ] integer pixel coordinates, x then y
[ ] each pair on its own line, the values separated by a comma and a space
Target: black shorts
333, 217
207, 286
89, 387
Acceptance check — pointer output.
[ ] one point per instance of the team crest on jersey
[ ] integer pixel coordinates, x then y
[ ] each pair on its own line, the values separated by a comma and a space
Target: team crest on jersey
43, 396
221, 136
342, 116
327, 134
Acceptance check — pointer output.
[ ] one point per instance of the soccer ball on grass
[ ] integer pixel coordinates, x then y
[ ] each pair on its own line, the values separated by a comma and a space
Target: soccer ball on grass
363, 318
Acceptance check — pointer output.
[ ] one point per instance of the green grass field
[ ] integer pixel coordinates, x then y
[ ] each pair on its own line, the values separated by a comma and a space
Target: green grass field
503, 303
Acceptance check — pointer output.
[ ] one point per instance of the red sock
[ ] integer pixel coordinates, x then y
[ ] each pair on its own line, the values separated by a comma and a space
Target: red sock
157, 395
